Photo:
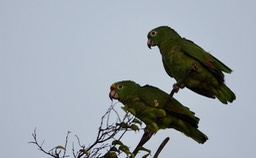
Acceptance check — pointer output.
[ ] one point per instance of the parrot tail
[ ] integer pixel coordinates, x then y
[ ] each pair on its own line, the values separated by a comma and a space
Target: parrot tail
197, 135
225, 95
191, 132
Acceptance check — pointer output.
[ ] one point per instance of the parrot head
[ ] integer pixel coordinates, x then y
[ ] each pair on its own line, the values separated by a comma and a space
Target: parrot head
123, 90
160, 34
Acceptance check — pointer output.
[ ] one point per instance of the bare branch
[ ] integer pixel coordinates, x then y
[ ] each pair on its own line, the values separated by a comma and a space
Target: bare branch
66, 144
160, 148
40, 147
106, 132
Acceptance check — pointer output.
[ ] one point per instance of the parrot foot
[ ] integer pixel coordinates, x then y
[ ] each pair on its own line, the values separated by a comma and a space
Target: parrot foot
181, 83
177, 86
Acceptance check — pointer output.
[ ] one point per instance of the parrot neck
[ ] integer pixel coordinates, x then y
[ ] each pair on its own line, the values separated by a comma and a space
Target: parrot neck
165, 46
129, 98
126, 100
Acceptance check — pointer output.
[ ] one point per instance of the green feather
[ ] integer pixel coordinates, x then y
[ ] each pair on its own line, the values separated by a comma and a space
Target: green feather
179, 54
148, 104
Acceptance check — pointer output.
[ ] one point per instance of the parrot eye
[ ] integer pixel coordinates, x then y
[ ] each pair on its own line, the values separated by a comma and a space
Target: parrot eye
119, 87
153, 33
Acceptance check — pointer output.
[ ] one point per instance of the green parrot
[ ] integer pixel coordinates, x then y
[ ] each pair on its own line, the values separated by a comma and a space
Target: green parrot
148, 104
190, 65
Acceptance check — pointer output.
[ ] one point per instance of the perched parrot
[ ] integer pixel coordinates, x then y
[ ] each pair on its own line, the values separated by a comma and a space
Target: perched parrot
148, 104
182, 57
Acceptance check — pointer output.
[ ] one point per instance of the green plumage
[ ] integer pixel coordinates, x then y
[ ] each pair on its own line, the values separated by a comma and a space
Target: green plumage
179, 54
148, 104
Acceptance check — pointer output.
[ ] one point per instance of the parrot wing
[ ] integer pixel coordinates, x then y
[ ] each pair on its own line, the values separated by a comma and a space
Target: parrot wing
212, 63
167, 69
157, 98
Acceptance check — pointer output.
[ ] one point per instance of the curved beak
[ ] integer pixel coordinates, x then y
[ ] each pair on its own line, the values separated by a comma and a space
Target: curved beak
112, 94
149, 43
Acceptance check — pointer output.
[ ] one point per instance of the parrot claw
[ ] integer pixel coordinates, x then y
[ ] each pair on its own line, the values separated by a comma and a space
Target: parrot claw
177, 86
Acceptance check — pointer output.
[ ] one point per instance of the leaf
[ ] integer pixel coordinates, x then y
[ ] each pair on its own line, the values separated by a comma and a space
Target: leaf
135, 120
84, 151
144, 149
110, 155
134, 127
117, 142
123, 125
125, 149
145, 156
113, 149
132, 111
132, 155
60, 147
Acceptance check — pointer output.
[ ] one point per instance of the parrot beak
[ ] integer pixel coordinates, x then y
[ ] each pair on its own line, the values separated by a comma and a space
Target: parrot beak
112, 94
150, 43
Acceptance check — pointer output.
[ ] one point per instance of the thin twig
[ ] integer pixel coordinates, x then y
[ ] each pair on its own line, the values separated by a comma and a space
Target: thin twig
160, 148
103, 136
40, 147
66, 144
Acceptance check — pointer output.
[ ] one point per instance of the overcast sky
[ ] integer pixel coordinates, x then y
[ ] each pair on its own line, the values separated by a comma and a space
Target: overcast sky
58, 59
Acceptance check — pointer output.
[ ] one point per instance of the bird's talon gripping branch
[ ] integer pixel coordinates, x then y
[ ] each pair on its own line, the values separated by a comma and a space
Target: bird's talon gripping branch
181, 85
176, 87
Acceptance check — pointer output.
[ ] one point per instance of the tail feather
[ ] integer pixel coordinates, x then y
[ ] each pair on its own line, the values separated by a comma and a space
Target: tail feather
192, 122
191, 132
197, 135
222, 92
225, 95
203, 92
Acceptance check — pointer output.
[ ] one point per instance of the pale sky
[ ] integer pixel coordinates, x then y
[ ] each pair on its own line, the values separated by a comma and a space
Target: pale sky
59, 58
